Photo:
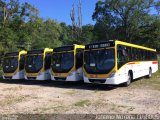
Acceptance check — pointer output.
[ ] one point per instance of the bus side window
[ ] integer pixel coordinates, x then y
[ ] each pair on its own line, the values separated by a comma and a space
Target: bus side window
139, 52
121, 56
143, 54
79, 58
147, 55
22, 61
129, 55
136, 54
133, 54
155, 56
47, 63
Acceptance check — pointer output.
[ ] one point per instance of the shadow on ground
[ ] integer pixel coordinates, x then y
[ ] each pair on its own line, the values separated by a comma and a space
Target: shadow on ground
62, 84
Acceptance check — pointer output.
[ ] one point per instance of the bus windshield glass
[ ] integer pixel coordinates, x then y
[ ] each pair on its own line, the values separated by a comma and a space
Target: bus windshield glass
34, 63
62, 62
99, 61
10, 64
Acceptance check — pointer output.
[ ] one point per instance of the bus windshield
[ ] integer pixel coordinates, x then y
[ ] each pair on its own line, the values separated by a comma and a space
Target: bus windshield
62, 62
99, 61
10, 64
34, 63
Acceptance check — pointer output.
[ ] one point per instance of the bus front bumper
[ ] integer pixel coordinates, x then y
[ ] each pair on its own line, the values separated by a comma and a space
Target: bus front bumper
42, 76
34, 77
74, 76
18, 75
110, 81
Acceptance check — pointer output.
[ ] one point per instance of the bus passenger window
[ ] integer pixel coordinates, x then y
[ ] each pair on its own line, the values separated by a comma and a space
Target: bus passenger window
121, 57
129, 53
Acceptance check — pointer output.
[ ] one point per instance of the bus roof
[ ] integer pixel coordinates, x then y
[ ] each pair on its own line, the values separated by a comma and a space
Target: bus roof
64, 48
35, 51
23, 52
112, 43
68, 47
39, 51
15, 53
134, 45
11, 54
100, 45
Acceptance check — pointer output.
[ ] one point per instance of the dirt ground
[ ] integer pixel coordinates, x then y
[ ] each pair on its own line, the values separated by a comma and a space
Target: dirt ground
143, 96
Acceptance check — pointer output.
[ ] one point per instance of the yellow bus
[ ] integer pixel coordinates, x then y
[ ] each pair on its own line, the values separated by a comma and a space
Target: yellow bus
67, 62
13, 65
116, 62
37, 65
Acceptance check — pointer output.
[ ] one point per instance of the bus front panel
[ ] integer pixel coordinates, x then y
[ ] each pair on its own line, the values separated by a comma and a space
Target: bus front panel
37, 65
66, 65
99, 66
13, 66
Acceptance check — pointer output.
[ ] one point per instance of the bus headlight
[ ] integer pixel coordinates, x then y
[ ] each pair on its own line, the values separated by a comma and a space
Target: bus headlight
84, 74
40, 73
112, 75
70, 74
50, 71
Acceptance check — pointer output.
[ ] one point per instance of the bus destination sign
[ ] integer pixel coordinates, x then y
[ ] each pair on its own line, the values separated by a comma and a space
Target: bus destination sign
12, 54
64, 48
100, 45
36, 51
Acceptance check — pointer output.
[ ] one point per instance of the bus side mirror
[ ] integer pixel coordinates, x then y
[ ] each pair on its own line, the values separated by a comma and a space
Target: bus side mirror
124, 52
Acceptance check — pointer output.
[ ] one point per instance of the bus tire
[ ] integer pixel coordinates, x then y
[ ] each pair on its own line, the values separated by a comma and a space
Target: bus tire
150, 73
129, 79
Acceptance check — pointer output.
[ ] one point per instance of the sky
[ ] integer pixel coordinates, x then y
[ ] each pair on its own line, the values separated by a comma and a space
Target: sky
59, 10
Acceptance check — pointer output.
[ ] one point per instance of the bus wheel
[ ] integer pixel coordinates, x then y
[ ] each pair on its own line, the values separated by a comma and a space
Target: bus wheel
128, 81
150, 73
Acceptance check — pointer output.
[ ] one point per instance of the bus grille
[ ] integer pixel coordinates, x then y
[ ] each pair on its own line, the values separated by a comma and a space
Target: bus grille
60, 78
97, 80
31, 78
7, 77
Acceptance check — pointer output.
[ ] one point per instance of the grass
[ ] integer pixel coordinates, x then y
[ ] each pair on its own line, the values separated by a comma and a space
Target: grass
13, 88
153, 82
70, 92
82, 103
114, 107
45, 109
10, 99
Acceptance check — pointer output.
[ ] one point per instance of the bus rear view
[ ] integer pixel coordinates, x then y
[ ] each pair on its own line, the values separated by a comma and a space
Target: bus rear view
13, 65
67, 63
37, 65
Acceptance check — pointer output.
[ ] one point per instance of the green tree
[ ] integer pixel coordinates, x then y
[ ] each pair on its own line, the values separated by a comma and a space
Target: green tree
13, 20
66, 33
150, 34
123, 19
87, 34
45, 34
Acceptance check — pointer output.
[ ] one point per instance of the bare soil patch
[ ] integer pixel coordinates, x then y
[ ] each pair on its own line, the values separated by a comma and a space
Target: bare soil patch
142, 97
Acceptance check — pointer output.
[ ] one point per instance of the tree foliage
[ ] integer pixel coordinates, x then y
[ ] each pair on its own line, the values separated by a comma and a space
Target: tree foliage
129, 20
135, 21
22, 28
